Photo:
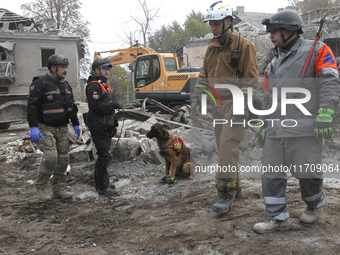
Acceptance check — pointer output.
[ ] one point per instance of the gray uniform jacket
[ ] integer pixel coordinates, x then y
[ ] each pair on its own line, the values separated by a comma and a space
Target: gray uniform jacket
321, 80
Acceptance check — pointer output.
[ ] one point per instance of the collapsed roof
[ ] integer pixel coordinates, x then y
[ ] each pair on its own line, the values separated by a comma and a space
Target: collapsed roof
10, 20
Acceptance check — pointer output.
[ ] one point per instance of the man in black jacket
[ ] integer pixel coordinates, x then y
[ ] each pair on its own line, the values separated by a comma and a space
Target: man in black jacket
50, 107
102, 122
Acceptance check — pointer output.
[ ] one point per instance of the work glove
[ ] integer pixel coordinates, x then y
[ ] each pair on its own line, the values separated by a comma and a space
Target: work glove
195, 106
239, 118
76, 130
34, 134
323, 126
260, 135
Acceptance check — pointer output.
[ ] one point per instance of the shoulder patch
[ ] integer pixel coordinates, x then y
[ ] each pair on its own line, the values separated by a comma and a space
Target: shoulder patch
95, 95
32, 88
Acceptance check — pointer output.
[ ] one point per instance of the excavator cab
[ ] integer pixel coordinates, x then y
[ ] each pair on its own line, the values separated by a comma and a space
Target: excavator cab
147, 70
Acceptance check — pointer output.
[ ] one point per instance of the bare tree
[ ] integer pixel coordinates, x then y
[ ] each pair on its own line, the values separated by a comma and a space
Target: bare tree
145, 22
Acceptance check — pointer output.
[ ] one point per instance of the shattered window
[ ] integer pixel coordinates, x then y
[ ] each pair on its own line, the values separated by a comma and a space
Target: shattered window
45, 54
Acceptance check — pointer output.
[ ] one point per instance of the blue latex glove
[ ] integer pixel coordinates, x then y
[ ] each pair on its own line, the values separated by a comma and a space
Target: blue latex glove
77, 131
34, 134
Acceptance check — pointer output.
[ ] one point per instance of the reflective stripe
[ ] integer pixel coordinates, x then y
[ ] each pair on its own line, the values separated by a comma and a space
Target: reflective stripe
322, 202
54, 110
316, 197
282, 216
225, 184
245, 91
275, 200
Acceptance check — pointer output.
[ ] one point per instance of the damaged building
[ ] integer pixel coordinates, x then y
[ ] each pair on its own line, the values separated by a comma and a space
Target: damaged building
25, 48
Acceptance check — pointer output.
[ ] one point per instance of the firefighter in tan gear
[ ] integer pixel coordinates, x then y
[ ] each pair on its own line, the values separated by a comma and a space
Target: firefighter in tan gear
229, 59
50, 108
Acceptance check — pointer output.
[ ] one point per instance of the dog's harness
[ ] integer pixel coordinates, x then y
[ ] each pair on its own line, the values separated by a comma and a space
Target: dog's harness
177, 146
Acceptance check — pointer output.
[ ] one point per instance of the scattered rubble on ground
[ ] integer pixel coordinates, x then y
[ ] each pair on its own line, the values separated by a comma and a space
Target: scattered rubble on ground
148, 217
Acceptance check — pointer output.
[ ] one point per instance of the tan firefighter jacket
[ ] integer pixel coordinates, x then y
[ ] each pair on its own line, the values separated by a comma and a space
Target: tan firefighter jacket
218, 68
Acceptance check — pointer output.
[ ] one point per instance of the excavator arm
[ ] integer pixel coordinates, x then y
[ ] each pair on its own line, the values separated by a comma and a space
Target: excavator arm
126, 55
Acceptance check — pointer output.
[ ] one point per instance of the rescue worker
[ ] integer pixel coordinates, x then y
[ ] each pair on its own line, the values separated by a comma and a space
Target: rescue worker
229, 59
102, 122
296, 142
50, 107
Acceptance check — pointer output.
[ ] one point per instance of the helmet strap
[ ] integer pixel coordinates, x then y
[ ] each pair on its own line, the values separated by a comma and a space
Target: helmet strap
103, 78
283, 37
224, 30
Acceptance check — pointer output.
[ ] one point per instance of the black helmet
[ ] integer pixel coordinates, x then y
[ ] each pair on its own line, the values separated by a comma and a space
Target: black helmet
101, 62
57, 59
288, 19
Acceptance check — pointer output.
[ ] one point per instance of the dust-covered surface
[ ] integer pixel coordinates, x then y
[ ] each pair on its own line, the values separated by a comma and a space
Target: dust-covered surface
150, 218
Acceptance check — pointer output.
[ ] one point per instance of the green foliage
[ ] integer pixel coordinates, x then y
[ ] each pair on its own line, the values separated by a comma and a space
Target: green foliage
120, 81
194, 25
172, 37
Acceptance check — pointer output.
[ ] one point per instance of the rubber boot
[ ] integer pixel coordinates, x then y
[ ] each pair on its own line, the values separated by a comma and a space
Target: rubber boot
58, 187
41, 187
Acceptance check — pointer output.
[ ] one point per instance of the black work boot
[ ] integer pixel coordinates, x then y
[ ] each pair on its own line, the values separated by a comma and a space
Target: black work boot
111, 185
223, 204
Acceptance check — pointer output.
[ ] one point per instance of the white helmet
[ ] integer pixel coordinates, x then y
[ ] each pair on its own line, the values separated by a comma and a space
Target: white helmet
219, 11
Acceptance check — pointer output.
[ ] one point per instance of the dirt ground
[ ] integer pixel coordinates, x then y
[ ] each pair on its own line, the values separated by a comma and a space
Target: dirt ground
150, 218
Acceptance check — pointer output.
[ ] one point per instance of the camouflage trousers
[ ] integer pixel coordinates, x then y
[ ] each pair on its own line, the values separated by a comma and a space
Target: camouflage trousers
227, 138
55, 146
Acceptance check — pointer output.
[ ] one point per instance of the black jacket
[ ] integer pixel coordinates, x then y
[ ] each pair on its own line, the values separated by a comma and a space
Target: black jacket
102, 105
51, 103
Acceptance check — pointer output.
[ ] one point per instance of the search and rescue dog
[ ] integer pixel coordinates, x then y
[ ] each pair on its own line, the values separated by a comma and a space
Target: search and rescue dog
173, 150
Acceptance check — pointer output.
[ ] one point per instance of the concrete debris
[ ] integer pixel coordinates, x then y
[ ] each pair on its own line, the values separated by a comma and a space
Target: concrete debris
256, 153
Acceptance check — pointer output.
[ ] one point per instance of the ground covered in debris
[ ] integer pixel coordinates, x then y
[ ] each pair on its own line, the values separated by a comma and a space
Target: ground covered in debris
150, 218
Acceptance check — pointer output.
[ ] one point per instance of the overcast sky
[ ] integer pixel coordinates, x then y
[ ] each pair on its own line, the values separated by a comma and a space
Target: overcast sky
110, 18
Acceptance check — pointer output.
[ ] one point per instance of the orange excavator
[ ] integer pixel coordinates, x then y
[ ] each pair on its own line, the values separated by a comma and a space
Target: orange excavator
156, 75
